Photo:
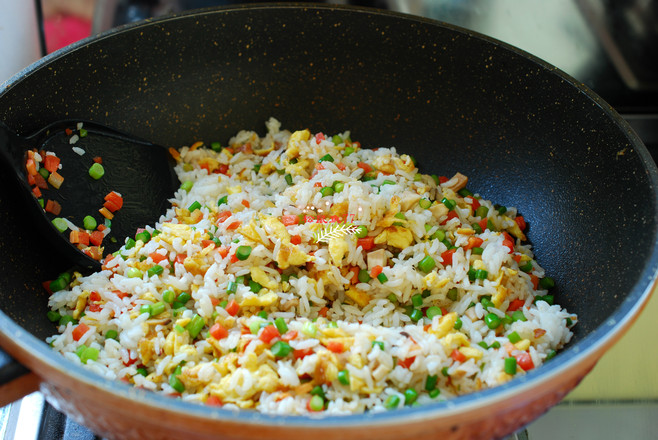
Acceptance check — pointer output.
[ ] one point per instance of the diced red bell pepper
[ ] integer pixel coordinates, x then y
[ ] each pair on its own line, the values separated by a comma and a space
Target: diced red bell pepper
483, 223
31, 167
364, 166
375, 271
515, 305
234, 225
406, 363
96, 238
521, 222
79, 237
335, 346
302, 353
473, 242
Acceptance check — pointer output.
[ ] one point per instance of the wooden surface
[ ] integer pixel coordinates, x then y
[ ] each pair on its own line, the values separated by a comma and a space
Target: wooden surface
629, 370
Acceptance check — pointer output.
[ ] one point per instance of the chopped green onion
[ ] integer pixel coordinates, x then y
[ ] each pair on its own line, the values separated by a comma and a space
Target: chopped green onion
483, 345
435, 178
458, 324
316, 403
444, 371
65, 319
510, 365
96, 171
176, 383
44, 173
243, 252
58, 284
326, 191
476, 227
514, 337
183, 298
464, 192
477, 251
222, 201
142, 371
327, 157
216, 146
481, 212
281, 349
111, 334
440, 235
364, 276
481, 274
427, 264
262, 314
157, 308
194, 206
501, 209
231, 287
155, 270
518, 315
309, 329
130, 243
82, 132
145, 308
527, 267
382, 278
133, 272
417, 300
348, 151
425, 203
416, 315
89, 354
187, 185
60, 224
433, 311
53, 316
144, 236
254, 286
89, 223
550, 355
430, 382
281, 325
434, 393
336, 139
453, 294
288, 178
195, 326
379, 344
338, 186
486, 302
546, 283
449, 203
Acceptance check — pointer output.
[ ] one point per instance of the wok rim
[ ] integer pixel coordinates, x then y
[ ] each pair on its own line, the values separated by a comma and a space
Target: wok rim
576, 353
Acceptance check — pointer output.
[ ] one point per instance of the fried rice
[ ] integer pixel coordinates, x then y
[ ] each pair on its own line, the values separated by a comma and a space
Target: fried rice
300, 273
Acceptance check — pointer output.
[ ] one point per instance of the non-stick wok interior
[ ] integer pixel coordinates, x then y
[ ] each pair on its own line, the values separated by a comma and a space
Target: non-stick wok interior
526, 135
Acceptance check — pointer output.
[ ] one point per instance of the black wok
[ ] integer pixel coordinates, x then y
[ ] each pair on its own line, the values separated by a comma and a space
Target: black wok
526, 134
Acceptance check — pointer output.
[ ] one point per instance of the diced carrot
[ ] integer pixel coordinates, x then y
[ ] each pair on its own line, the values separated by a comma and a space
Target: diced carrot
37, 192
174, 153
223, 168
289, 220
535, 281
268, 334
101, 227
31, 180
473, 242
222, 216
366, 243
521, 222
515, 305
341, 166
317, 185
55, 179
483, 223
68, 132
213, 401
53, 207
79, 330
232, 307
295, 239
234, 225
458, 355
447, 257
375, 271
335, 346
40, 181
223, 251
319, 166
302, 353
443, 179
406, 363
96, 238
218, 331
98, 160
245, 203
110, 206
206, 243
196, 145
355, 274
94, 296
79, 237
106, 213
323, 311
364, 166
115, 198
51, 163
31, 166
180, 258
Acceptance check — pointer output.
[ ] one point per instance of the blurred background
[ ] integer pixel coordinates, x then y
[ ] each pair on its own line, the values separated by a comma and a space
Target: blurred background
609, 45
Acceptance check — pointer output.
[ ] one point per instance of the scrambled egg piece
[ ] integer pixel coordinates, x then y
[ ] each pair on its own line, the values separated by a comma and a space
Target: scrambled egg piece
395, 236
262, 300
337, 249
514, 229
259, 276
292, 150
445, 326
358, 296
433, 281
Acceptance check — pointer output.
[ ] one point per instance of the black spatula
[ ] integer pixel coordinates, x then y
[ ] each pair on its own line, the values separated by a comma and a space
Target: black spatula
139, 171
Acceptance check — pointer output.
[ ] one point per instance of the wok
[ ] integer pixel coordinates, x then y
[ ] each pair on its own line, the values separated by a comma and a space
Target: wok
525, 133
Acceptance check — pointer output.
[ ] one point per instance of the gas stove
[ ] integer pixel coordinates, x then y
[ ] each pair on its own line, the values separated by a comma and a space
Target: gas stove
609, 45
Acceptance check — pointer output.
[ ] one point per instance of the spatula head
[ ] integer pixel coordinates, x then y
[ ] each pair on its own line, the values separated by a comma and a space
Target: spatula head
141, 172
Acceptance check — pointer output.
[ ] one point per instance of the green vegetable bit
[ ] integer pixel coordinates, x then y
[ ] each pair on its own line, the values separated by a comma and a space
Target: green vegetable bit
392, 402
327, 191
316, 403
53, 316
281, 349
344, 377
243, 252
410, 396
514, 337
433, 311
281, 325
187, 185
492, 320
111, 334
96, 171
361, 232
430, 382
155, 270
326, 158
425, 203
194, 206
176, 383
510, 365
195, 326
364, 276
60, 224
382, 278
168, 296
427, 264
89, 223
417, 300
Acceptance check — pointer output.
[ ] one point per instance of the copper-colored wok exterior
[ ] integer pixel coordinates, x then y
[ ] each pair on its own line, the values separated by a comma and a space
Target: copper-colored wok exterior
526, 134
